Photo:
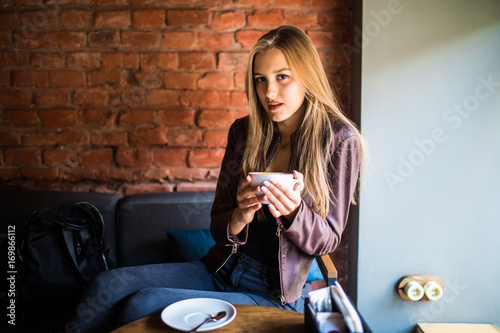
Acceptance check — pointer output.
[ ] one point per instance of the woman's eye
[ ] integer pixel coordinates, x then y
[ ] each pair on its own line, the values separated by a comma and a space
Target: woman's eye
259, 79
282, 76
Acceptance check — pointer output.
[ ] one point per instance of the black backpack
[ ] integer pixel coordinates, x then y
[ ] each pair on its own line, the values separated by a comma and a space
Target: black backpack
63, 248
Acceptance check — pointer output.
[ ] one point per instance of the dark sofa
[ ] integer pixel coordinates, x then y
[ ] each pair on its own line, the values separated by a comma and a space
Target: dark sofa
135, 226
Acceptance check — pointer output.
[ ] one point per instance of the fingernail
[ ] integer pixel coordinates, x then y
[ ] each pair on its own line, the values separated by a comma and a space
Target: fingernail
266, 183
274, 181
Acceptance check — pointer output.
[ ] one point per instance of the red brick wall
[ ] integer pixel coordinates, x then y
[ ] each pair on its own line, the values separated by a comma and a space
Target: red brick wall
132, 96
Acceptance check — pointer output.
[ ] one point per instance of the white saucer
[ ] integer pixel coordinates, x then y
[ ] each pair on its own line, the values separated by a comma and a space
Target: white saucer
187, 314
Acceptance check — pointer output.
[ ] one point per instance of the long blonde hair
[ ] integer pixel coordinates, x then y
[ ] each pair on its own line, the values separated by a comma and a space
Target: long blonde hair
315, 132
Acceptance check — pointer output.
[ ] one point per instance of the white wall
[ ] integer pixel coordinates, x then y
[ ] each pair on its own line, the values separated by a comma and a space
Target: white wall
430, 111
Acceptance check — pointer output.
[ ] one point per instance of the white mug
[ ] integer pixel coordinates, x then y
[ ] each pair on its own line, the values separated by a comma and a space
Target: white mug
284, 179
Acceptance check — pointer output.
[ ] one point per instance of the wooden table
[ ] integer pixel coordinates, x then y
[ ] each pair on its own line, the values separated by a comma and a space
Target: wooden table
249, 318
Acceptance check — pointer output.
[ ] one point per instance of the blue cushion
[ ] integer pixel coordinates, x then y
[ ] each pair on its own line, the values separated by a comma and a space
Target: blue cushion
187, 245
314, 272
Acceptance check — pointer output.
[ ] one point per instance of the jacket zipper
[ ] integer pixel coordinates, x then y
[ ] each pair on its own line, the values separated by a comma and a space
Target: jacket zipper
282, 297
233, 250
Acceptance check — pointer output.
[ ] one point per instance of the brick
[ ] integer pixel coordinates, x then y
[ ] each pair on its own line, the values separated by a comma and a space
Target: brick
13, 59
130, 98
205, 99
215, 41
292, 3
72, 137
272, 18
184, 138
164, 60
216, 81
170, 157
120, 174
148, 188
15, 97
155, 136
256, 3
104, 39
239, 99
67, 39
51, 97
156, 174
324, 4
75, 18
149, 79
98, 117
66, 79
232, 61
215, 138
137, 117
29, 78
58, 118
6, 41
5, 78
142, 40
301, 19
39, 20
197, 60
132, 157
114, 138
113, 19
109, 78
9, 21
228, 20
77, 174
176, 80
120, 60
162, 98
188, 174
239, 80
60, 157
325, 38
188, 17
248, 38
9, 173
178, 40
96, 158
20, 118
334, 18
90, 97
47, 60
40, 173
216, 118
25, 40
39, 139
9, 138
85, 60
172, 118
205, 158
20, 157
149, 18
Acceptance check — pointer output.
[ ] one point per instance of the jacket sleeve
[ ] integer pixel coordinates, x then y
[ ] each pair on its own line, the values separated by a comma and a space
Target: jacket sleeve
226, 190
309, 231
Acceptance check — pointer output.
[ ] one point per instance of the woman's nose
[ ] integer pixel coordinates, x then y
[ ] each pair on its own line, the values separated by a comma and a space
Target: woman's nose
272, 91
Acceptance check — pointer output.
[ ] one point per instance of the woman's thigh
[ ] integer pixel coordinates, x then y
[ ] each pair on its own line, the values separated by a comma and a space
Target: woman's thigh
153, 300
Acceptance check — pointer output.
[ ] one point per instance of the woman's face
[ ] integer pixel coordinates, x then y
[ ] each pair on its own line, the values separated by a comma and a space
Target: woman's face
280, 92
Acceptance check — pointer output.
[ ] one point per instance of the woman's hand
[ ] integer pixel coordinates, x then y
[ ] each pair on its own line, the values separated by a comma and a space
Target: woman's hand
284, 201
248, 204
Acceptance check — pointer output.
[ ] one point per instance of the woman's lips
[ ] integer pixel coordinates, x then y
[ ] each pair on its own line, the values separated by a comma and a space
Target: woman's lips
274, 106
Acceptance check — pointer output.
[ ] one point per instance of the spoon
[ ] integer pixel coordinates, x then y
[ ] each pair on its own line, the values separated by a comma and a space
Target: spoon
214, 317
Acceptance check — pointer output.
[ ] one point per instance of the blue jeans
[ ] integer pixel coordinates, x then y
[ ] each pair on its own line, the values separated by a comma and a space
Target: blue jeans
117, 297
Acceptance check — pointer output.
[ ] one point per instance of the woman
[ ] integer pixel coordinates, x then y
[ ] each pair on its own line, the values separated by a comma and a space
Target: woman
263, 253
